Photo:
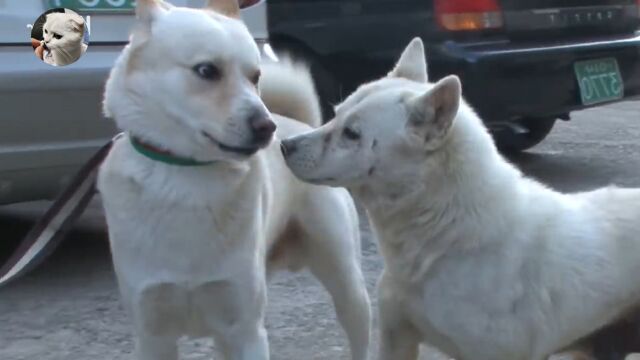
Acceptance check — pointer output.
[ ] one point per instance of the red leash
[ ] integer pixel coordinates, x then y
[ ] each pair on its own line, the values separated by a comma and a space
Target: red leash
47, 232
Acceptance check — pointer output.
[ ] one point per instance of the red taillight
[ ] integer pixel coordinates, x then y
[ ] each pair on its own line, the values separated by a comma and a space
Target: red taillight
457, 15
248, 3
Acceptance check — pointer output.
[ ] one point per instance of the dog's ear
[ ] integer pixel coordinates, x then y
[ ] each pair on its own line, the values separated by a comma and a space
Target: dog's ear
230, 8
412, 64
147, 11
431, 114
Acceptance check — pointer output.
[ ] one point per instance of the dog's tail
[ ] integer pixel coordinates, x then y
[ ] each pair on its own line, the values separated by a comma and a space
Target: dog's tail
287, 88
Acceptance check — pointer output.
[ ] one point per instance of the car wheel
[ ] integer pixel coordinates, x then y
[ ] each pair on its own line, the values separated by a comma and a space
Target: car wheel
523, 134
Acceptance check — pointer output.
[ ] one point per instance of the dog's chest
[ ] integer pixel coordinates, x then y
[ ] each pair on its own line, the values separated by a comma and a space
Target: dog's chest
470, 310
173, 255
179, 225
180, 241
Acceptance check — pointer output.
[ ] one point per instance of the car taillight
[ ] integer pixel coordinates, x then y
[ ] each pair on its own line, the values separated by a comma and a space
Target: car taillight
458, 15
248, 3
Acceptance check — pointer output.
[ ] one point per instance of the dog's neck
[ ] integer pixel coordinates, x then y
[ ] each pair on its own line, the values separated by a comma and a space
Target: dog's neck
400, 219
433, 182
164, 156
428, 208
159, 133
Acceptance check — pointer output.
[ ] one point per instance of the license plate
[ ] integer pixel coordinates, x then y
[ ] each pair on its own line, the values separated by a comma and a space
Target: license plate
599, 80
88, 6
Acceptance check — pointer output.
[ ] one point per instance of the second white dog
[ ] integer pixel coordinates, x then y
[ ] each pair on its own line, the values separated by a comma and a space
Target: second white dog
480, 261
199, 203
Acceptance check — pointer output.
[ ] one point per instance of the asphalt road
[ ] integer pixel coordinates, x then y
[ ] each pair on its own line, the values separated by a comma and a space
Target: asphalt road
68, 309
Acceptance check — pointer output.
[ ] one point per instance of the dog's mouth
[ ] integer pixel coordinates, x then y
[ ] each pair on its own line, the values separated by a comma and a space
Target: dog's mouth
242, 150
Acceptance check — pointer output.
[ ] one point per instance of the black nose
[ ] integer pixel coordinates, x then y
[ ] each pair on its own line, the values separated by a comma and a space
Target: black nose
262, 126
287, 147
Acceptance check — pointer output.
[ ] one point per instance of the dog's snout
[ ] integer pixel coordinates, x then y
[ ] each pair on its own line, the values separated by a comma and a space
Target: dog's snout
287, 147
262, 126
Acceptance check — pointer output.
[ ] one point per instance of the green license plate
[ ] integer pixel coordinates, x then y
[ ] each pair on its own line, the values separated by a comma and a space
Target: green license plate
599, 80
94, 5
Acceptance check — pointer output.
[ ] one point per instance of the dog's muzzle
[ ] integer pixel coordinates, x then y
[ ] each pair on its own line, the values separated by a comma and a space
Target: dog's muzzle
262, 128
287, 147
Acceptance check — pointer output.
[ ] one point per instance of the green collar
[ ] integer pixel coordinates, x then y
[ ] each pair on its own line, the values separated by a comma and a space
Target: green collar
165, 156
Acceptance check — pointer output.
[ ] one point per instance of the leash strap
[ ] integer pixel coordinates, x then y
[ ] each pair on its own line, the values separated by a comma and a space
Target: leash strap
47, 232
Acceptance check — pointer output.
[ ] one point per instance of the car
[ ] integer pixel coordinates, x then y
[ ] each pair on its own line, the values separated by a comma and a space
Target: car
52, 120
523, 63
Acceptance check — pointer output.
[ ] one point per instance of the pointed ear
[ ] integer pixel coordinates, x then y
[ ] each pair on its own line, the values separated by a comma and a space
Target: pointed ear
229, 8
147, 11
433, 113
412, 64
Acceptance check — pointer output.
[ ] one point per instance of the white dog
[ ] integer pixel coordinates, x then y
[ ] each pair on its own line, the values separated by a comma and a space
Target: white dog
199, 202
480, 261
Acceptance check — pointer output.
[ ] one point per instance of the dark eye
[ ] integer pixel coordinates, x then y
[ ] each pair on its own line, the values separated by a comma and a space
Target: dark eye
207, 71
350, 134
46, 31
57, 36
255, 78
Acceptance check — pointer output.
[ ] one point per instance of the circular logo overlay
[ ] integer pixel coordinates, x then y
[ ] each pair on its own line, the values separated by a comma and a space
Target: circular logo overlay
59, 37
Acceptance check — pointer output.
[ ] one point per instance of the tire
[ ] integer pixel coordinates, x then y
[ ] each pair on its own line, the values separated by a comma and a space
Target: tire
534, 131
327, 86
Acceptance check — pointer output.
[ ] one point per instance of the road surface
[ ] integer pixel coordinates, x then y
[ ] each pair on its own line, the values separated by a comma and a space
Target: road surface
68, 309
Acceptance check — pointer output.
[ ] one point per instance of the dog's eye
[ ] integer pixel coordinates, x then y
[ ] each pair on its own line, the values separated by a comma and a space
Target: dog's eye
46, 31
57, 36
207, 71
255, 78
350, 134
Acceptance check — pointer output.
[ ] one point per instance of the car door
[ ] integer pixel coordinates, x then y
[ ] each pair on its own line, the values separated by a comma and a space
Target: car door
51, 118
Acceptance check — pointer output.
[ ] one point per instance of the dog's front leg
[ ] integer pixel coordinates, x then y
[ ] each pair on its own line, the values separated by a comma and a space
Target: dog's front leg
159, 312
247, 344
398, 338
331, 252
149, 347
235, 311
398, 342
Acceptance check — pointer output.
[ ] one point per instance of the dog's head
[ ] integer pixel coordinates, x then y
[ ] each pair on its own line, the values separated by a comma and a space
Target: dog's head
188, 82
382, 130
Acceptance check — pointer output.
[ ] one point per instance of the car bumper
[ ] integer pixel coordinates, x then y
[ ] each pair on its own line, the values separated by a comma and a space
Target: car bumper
504, 82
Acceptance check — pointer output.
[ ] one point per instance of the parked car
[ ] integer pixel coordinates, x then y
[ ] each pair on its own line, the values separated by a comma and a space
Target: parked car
51, 120
523, 63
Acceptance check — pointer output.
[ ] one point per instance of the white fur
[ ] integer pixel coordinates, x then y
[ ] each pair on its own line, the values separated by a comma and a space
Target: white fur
192, 245
63, 34
279, 78
480, 261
